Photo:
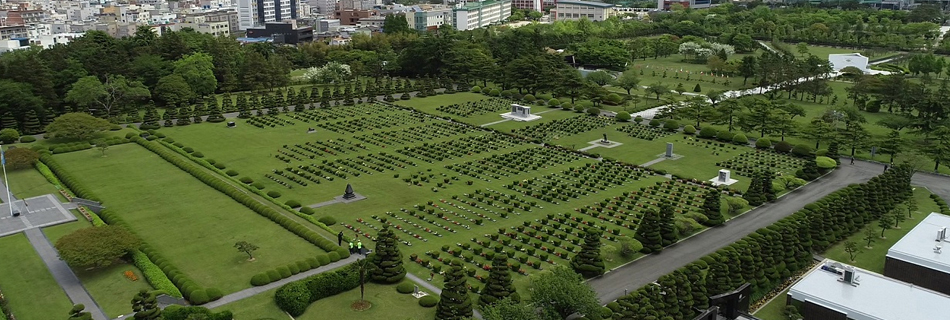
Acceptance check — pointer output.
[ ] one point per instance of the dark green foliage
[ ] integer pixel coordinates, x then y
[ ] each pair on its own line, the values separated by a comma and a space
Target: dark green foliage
783, 147
588, 262
307, 210
648, 233
327, 220
763, 143
454, 303
667, 228
295, 297
766, 185
78, 312
803, 151
711, 207
387, 259
810, 171
260, 279
708, 132
428, 301
273, 194
499, 284
833, 151
176, 312
754, 194
293, 204
405, 288
145, 306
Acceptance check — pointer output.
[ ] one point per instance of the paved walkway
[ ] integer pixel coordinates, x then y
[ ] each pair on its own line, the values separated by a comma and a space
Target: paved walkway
250, 292
648, 269
63, 274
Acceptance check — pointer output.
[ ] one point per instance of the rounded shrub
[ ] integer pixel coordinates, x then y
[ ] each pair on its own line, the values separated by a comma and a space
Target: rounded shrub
826, 162
334, 257
273, 194
802, 150
724, 135
654, 123
783, 147
594, 111
476, 89
306, 210
179, 144
554, 102
740, 139
405, 288
327, 220
689, 129
199, 296
763, 143
247, 180
198, 154
294, 269
159, 134
273, 275
622, 116
614, 99
214, 294
529, 98
313, 263
283, 271
115, 127
303, 265
28, 139
494, 92
567, 106
671, 125
638, 119
428, 301
293, 298
211, 161
188, 149
231, 173
323, 259
486, 90
293, 204
260, 279
258, 185
219, 165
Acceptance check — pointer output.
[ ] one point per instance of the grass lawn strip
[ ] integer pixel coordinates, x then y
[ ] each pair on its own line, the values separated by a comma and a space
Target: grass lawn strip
182, 219
27, 285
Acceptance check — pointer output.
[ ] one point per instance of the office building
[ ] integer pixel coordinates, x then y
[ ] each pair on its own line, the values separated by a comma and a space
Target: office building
575, 10
253, 13
478, 14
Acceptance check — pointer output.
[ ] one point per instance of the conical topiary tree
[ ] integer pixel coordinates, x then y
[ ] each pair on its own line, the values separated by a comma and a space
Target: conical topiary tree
711, 207
454, 303
754, 194
767, 190
387, 260
145, 306
648, 232
667, 228
588, 262
499, 284
31, 124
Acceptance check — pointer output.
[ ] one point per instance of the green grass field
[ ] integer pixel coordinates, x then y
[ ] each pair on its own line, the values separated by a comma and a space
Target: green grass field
192, 225
27, 285
387, 304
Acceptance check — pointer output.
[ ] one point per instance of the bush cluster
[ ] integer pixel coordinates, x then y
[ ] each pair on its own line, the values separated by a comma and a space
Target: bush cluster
243, 198
327, 220
282, 272
27, 139
293, 204
405, 288
428, 301
295, 297
154, 274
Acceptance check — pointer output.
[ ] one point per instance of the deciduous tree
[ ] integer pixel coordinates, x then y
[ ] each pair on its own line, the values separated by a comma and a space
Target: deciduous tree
96, 247
247, 248
76, 125
107, 97
560, 292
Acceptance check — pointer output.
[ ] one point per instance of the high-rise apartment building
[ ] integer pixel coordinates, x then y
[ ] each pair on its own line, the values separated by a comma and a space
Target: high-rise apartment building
258, 12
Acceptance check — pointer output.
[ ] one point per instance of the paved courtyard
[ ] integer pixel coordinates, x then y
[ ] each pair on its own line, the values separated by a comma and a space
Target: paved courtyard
36, 212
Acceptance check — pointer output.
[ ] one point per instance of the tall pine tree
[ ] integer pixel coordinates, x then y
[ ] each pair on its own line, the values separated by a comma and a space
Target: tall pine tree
145, 306
712, 207
766, 183
387, 260
454, 303
588, 262
754, 194
667, 228
499, 284
648, 232
31, 124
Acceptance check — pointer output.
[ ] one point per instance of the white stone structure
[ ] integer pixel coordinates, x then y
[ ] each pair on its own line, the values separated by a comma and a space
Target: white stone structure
841, 61
520, 113
723, 179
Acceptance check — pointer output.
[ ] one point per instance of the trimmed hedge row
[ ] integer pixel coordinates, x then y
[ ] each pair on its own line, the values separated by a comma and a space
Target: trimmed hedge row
944, 209
242, 198
154, 274
246, 185
295, 297
77, 146
66, 178
263, 278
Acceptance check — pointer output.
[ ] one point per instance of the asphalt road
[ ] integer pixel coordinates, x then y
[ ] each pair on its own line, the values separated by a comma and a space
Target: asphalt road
648, 269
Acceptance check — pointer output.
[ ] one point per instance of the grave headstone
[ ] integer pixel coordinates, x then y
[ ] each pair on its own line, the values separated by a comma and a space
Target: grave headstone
669, 149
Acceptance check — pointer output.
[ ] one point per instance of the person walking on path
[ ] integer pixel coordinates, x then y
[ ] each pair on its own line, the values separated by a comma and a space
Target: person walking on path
852, 159
885, 167
359, 246
339, 239
351, 247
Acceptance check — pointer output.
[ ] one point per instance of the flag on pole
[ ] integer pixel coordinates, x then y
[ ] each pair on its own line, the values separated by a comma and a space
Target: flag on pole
3, 160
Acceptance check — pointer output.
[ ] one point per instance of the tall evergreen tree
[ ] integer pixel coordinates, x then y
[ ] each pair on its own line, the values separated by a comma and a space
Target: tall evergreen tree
648, 232
667, 227
712, 207
184, 117
7, 121
499, 286
454, 303
387, 260
151, 115
754, 194
766, 183
588, 262
31, 124
833, 151
145, 306
810, 171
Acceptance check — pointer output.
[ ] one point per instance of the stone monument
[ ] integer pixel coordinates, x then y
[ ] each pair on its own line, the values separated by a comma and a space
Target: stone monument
724, 178
349, 194
669, 150
605, 139
520, 113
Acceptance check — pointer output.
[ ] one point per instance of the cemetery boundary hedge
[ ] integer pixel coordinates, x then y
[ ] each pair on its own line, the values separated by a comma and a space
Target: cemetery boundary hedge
244, 199
293, 268
295, 297
51, 177
157, 278
260, 193
769, 256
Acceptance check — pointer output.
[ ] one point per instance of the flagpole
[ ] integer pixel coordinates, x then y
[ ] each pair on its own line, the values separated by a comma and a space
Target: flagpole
6, 181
